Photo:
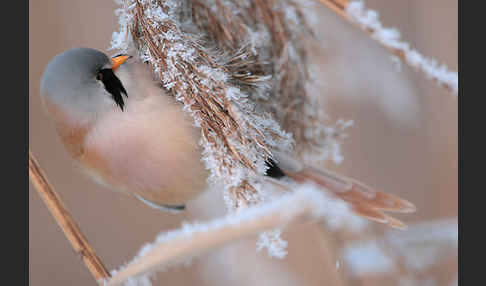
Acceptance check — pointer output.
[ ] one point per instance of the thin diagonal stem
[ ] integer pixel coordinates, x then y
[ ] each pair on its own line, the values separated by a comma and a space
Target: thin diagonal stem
340, 6
65, 221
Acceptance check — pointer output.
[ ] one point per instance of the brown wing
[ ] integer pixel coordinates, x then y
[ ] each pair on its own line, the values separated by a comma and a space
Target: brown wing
364, 200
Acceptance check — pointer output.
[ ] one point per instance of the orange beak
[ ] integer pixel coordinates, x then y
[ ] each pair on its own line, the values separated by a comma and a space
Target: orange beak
117, 61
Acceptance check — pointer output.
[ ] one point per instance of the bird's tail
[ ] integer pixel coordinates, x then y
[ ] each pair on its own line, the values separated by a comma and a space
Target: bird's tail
365, 201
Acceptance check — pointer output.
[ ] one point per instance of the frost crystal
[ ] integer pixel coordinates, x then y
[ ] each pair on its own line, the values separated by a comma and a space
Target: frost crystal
272, 241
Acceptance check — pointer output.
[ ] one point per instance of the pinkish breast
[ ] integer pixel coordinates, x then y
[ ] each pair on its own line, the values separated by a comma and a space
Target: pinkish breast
150, 149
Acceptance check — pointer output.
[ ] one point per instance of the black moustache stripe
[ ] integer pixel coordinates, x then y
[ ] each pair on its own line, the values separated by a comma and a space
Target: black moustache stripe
274, 170
114, 86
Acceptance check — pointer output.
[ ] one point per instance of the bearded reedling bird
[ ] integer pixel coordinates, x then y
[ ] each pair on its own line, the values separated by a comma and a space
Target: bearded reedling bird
126, 131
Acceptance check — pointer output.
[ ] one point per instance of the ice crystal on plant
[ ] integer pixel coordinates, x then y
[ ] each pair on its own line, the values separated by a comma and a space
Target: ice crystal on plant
273, 242
390, 38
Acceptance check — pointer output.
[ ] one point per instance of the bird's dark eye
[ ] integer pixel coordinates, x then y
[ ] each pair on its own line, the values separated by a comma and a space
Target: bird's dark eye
99, 76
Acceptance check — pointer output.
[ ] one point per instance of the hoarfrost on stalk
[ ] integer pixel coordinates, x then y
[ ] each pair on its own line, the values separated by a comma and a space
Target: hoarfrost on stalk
305, 201
390, 38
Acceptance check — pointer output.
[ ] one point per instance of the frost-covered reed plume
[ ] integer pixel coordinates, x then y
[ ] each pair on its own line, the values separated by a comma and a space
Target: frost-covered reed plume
241, 70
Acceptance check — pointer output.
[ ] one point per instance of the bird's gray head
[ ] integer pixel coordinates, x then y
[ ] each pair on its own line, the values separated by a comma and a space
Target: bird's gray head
83, 80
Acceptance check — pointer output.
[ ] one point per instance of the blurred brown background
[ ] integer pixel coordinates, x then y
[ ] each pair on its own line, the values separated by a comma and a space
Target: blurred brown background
404, 141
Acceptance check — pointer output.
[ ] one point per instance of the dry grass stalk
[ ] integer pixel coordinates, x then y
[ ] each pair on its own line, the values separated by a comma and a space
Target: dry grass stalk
298, 207
65, 221
399, 49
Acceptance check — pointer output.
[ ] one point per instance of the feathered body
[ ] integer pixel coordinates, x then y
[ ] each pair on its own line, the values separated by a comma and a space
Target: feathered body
149, 149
